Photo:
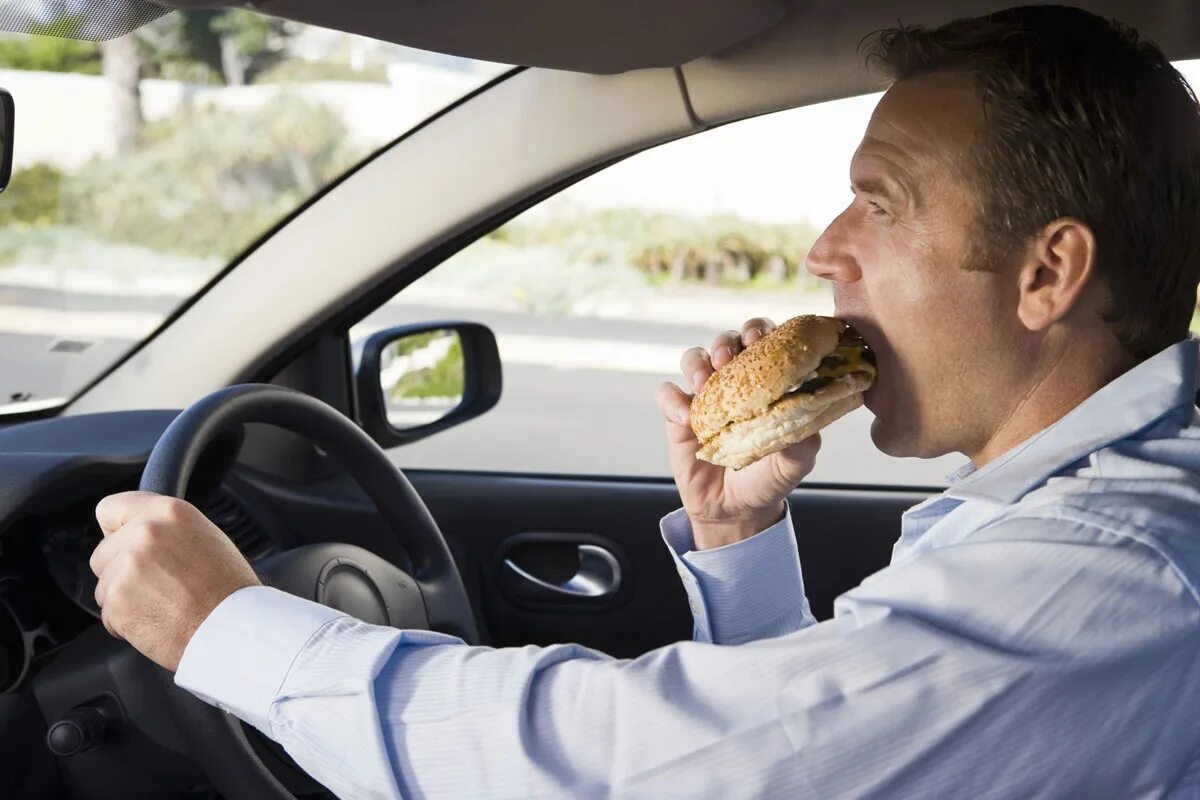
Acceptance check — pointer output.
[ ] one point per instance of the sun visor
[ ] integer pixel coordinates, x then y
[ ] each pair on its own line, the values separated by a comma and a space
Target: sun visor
598, 36
95, 20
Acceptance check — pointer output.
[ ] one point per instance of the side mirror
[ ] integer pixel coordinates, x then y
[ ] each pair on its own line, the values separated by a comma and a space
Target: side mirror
416, 380
7, 119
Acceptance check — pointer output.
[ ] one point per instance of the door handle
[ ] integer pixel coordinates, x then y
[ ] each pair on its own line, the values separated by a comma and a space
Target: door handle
598, 575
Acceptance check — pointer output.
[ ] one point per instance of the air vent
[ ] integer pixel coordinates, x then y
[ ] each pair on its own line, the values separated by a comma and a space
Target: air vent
228, 515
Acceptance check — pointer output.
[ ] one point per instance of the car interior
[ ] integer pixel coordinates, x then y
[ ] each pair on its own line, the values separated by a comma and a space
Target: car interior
252, 401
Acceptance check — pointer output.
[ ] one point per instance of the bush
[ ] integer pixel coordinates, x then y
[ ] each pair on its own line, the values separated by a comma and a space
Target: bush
42, 49
33, 197
210, 182
443, 379
722, 250
297, 71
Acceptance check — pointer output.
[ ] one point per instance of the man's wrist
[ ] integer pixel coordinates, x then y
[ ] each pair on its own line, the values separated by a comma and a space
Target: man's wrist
708, 534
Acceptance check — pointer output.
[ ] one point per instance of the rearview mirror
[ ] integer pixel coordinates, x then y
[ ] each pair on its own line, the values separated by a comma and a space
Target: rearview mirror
7, 117
416, 380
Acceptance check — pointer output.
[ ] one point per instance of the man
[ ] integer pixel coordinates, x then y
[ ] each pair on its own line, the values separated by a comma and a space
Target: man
1022, 252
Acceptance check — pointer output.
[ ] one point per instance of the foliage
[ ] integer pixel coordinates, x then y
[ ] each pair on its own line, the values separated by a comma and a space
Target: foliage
443, 379
48, 48
33, 197
297, 71
414, 342
723, 250
210, 182
231, 46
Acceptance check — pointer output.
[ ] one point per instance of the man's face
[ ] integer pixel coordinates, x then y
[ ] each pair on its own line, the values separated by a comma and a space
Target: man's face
945, 332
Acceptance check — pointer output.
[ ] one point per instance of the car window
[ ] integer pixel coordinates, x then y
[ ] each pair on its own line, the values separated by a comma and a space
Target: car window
594, 294
145, 164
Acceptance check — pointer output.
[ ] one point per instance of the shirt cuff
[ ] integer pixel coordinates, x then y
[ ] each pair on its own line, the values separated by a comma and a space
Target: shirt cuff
239, 656
752, 589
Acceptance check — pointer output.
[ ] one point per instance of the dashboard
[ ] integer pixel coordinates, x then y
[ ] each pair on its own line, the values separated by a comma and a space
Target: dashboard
54, 654
47, 587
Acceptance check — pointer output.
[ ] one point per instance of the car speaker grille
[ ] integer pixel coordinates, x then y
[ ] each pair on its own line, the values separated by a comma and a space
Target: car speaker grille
229, 515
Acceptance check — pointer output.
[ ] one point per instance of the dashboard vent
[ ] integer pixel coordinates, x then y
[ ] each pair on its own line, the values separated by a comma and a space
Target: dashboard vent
228, 515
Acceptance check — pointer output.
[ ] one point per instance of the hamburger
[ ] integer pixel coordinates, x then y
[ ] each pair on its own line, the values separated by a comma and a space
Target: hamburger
780, 390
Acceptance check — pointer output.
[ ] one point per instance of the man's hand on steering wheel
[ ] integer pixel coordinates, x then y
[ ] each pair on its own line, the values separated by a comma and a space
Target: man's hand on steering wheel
162, 568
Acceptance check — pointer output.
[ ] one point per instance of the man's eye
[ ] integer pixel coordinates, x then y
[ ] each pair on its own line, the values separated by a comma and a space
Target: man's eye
875, 210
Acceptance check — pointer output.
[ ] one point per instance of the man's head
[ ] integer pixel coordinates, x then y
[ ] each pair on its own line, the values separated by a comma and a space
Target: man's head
1025, 225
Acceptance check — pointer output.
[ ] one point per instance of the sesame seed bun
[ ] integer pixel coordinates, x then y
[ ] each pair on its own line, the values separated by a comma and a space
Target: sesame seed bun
750, 408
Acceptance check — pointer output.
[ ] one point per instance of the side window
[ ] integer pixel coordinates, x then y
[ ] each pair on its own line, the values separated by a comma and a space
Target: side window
595, 293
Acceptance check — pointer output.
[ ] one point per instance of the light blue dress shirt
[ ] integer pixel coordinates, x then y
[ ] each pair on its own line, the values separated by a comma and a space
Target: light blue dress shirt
1037, 634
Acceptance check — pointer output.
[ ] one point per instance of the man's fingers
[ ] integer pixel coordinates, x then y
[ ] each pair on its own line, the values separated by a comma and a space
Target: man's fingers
730, 343
101, 591
676, 408
682, 444
103, 554
696, 366
725, 347
755, 329
116, 510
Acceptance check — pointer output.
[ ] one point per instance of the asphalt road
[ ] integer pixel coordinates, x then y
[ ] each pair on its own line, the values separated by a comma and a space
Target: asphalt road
555, 415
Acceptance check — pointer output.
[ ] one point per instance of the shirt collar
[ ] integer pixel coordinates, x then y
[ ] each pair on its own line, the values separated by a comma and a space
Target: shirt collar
1160, 385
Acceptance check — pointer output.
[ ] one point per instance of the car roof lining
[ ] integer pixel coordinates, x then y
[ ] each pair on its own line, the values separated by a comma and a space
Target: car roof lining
594, 36
611, 36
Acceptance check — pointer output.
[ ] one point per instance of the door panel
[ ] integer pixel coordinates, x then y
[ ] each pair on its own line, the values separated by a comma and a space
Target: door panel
844, 535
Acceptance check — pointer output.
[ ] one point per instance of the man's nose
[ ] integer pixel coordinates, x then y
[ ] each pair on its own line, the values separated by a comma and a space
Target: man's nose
831, 256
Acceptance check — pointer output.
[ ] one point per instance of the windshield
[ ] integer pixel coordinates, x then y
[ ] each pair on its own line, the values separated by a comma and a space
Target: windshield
145, 164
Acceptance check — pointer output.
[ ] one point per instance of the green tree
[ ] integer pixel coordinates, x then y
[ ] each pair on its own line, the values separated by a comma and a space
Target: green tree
47, 47
230, 46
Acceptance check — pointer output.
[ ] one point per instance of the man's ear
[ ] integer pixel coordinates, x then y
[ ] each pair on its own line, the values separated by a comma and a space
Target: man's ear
1058, 267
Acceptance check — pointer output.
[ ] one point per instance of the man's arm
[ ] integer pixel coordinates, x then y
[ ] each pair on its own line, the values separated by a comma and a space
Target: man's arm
997, 667
751, 589
732, 542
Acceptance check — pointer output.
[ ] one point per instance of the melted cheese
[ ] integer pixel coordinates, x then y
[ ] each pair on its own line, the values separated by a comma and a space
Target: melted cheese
855, 362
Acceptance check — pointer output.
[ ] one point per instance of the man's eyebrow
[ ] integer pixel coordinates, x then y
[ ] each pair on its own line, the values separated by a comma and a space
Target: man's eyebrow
871, 186
894, 190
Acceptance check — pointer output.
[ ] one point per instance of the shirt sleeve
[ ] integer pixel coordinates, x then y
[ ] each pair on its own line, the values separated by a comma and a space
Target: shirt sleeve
941, 677
752, 589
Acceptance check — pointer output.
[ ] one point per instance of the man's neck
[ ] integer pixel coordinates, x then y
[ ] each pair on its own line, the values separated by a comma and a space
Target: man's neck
1053, 391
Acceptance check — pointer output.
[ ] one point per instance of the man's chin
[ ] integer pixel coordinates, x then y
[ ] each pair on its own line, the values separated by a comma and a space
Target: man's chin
887, 435
886, 442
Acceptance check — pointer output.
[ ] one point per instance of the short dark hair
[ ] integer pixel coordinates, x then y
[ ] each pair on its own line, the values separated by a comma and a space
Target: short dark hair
1083, 120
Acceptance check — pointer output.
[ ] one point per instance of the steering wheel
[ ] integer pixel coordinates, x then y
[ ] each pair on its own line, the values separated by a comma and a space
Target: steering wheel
343, 576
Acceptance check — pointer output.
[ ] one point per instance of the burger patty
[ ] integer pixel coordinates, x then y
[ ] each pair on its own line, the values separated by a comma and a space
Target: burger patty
843, 360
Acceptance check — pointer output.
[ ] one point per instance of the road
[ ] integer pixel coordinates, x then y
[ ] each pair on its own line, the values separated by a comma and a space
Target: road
578, 392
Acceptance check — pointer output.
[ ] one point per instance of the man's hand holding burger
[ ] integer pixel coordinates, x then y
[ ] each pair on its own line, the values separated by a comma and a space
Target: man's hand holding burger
749, 435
